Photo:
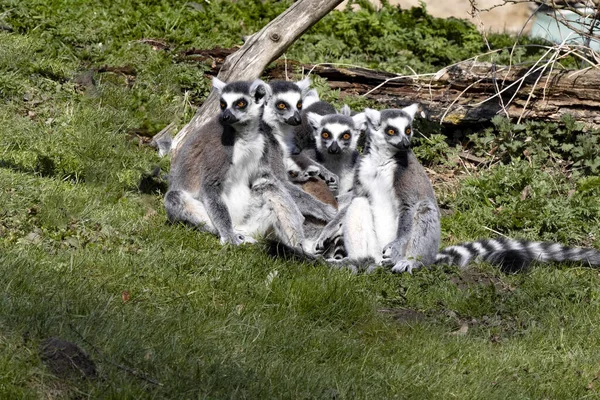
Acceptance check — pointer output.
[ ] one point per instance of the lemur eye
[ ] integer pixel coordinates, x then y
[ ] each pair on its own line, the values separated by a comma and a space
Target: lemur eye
346, 136
299, 105
241, 104
281, 106
292, 174
391, 132
223, 105
325, 135
408, 131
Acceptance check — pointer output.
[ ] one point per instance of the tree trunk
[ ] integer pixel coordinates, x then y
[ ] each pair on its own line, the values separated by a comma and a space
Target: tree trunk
257, 52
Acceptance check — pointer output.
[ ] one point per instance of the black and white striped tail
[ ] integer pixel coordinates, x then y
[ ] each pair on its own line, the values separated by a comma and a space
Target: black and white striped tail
514, 255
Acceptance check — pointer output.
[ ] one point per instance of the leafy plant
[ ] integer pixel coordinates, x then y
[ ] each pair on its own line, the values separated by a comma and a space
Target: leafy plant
541, 142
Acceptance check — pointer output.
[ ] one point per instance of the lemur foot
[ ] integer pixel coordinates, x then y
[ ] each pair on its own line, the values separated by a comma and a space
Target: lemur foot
392, 252
406, 266
330, 179
312, 171
236, 239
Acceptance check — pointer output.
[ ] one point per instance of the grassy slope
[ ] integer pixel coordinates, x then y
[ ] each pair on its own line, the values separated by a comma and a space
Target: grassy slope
206, 321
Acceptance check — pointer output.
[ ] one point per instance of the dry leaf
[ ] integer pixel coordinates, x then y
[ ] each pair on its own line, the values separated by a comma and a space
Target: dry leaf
464, 328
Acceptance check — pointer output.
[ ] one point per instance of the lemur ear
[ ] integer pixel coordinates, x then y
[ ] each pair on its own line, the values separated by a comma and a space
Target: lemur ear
218, 84
360, 121
304, 86
314, 120
310, 98
346, 110
411, 110
260, 91
373, 117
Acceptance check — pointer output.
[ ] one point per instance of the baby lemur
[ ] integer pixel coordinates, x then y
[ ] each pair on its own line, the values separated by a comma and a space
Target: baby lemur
222, 181
336, 137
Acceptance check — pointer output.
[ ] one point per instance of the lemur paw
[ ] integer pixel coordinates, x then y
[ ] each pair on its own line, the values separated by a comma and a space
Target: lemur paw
406, 266
390, 253
296, 176
331, 180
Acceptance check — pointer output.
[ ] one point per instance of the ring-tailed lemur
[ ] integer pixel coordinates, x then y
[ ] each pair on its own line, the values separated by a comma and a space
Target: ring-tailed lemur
393, 218
223, 181
304, 154
281, 114
336, 137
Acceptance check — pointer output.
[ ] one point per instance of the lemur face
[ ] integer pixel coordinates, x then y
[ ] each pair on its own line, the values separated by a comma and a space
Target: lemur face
336, 133
391, 128
241, 102
286, 102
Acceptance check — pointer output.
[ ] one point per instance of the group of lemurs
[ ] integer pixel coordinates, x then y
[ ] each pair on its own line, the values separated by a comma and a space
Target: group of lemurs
279, 163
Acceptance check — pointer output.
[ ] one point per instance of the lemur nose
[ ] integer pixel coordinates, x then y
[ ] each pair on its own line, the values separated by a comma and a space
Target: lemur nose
294, 120
227, 116
334, 148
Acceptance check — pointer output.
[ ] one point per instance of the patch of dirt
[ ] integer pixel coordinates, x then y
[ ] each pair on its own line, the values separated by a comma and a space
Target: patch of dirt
404, 315
66, 360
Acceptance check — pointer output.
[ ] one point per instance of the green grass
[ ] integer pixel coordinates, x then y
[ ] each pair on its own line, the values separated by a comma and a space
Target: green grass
82, 222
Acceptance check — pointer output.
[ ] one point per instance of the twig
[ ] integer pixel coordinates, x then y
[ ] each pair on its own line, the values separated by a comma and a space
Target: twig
394, 79
113, 363
495, 231
458, 97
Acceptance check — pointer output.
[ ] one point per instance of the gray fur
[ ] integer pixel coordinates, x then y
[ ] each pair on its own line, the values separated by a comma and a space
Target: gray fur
232, 153
514, 255
335, 153
405, 213
277, 123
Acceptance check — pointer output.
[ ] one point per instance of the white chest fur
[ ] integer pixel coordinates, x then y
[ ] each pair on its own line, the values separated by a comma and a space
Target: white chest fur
247, 153
377, 178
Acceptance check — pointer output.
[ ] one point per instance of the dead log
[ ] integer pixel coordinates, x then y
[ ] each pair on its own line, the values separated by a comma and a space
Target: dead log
473, 92
466, 93
257, 52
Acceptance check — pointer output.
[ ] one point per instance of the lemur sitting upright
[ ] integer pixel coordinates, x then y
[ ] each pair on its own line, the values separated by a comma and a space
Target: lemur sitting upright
222, 181
336, 137
281, 115
393, 217
393, 210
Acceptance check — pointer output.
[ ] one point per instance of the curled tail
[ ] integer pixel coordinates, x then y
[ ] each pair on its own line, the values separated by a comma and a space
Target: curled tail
514, 255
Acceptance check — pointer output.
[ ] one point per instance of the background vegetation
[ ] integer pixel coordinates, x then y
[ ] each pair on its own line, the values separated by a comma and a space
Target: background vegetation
86, 253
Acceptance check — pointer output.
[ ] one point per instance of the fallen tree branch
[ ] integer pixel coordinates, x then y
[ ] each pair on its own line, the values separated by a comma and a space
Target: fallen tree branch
468, 92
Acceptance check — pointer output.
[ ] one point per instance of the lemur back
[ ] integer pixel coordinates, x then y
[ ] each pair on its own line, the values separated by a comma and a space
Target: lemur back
223, 181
